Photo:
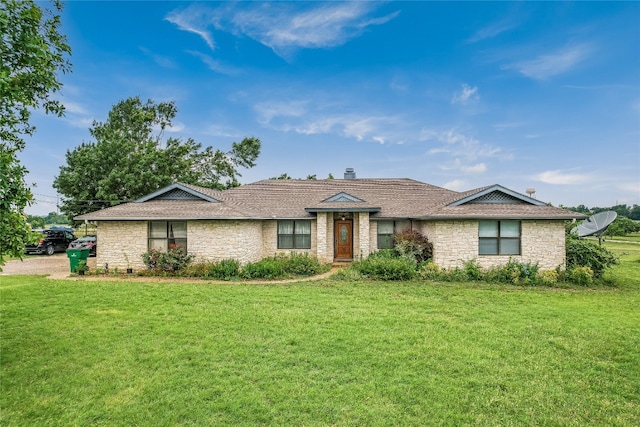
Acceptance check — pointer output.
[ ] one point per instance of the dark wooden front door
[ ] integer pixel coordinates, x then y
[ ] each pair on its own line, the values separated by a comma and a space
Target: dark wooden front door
343, 239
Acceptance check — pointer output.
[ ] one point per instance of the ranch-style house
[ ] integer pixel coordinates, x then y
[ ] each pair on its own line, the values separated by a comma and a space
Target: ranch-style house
334, 220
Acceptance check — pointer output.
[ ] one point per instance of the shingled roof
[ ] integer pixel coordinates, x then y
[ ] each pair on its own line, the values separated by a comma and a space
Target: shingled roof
382, 198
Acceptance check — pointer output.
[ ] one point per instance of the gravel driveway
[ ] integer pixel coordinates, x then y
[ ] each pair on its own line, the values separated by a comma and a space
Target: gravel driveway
56, 266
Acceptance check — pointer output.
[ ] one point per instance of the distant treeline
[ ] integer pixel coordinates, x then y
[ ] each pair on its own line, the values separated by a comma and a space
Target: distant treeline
631, 212
37, 221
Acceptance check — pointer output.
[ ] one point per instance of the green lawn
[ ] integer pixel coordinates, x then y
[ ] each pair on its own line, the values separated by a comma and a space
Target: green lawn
319, 353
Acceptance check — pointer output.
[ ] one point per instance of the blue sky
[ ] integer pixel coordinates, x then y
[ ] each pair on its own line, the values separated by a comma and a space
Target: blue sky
460, 95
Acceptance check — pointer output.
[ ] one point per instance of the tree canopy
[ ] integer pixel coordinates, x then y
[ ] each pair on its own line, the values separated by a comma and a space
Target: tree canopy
130, 158
32, 54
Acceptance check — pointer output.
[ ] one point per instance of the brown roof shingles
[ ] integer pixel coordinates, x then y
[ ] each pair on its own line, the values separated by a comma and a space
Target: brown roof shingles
386, 198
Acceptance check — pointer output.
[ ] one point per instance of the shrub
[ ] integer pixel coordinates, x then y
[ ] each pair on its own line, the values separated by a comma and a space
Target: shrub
227, 269
386, 268
267, 268
582, 276
413, 244
429, 271
583, 253
173, 260
473, 270
514, 272
301, 264
548, 277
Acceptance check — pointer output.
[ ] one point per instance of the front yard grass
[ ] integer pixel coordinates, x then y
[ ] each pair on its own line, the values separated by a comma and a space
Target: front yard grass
316, 353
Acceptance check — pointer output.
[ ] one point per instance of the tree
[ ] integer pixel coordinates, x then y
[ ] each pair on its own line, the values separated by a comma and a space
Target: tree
32, 53
622, 226
130, 159
36, 221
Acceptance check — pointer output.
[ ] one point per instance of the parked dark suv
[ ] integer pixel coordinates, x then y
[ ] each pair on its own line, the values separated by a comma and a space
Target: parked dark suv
53, 241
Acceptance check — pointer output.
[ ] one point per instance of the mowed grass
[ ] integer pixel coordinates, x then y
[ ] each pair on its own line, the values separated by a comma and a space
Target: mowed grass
318, 353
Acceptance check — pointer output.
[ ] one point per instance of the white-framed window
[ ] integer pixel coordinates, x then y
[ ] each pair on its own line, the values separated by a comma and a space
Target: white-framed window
500, 237
386, 229
294, 234
165, 235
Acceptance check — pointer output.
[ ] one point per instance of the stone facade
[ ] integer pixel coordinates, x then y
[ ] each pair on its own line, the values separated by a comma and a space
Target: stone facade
226, 239
121, 244
454, 242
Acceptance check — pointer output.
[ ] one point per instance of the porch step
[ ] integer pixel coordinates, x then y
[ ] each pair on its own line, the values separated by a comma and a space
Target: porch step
341, 263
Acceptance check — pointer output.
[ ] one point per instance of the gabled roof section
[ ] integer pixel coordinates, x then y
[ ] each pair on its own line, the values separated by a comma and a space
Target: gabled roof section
177, 191
496, 194
342, 197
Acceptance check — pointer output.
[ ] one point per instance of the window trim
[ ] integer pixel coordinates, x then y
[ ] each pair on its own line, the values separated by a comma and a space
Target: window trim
296, 243
394, 231
166, 238
499, 239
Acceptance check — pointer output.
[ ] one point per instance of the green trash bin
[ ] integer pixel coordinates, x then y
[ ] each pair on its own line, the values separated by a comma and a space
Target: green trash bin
75, 255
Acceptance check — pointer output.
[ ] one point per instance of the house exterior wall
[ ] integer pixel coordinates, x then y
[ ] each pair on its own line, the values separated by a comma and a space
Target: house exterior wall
455, 242
119, 240
270, 240
225, 239
363, 233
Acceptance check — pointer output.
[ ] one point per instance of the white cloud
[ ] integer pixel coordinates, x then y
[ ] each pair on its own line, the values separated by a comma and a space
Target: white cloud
492, 30
558, 177
478, 168
466, 95
215, 65
283, 26
553, 63
455, 185
193, 19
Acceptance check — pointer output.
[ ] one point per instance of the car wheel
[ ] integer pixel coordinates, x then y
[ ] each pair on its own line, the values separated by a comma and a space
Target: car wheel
50, 250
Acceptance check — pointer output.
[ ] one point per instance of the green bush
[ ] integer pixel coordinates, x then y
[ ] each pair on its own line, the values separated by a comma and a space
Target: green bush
584, 253
548, 277
173, 260
227, 269
429, 271
302, 264
514, 272
267, 268
413, 245
473, 270
386, 268
582, 276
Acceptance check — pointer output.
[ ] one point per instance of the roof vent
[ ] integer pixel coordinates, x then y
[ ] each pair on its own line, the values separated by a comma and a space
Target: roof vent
349, 174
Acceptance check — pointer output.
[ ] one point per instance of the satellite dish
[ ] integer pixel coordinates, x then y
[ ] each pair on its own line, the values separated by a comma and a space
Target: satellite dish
596, 224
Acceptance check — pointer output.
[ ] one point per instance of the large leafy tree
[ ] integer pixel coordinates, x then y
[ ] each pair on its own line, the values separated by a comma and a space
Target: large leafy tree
32, 54
130, 158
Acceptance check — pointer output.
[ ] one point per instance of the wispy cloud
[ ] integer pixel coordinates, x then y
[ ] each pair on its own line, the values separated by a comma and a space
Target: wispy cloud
194, 19
466, 95
493, 29
215, 65
559, 177
283, 27
461, 146
162, 61
553, 63
301, 117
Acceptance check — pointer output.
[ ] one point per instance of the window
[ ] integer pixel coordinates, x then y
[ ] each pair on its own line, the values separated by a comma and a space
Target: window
165, 235
499, 237
386, 230
294, 234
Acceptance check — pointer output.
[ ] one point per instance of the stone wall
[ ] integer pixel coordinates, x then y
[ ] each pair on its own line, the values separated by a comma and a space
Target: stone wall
455, 242
225, 239
270, 240
119, 240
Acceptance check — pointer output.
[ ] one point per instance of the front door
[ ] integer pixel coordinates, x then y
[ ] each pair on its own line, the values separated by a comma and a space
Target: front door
343, 239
